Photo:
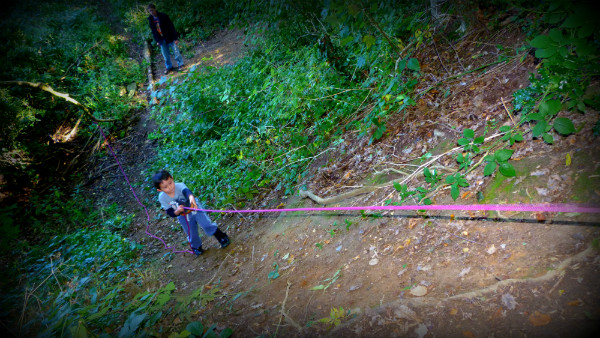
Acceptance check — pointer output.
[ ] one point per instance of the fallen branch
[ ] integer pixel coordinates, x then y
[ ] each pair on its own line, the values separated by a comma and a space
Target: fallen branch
66, 97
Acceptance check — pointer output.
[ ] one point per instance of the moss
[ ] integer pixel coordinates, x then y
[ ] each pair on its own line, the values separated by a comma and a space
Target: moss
584, 184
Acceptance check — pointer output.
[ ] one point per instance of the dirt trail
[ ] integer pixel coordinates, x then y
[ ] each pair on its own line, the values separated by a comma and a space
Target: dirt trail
400, 273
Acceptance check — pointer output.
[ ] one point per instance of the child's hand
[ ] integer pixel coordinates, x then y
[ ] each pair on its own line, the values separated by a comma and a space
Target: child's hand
193, 202
179, 210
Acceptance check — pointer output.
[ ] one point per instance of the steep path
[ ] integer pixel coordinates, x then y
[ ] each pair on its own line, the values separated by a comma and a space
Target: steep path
394, 274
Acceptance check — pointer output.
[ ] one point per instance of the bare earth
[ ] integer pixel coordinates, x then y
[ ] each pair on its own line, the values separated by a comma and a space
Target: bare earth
399, 274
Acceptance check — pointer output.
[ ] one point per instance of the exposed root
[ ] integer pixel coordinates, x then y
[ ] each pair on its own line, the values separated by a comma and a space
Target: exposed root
340, 197
433, 301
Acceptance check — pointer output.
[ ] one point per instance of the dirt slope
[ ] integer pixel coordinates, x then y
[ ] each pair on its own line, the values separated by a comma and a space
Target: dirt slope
400, 273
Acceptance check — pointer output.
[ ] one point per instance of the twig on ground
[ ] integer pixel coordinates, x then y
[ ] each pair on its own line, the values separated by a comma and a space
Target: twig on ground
507, 111
284, 314
466, 239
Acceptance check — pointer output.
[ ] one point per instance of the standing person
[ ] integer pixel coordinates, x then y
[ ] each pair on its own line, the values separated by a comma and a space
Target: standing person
173, 197
165, 35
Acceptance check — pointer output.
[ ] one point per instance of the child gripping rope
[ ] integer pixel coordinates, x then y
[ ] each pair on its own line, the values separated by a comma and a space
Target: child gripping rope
174, 198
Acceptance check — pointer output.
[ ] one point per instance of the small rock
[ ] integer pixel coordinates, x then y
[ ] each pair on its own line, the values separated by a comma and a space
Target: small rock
491, 250
354, 287
423, 268
418, 291
401, 272
338, 248
509, 301
438, 133
374, 261
421, 331
425, 283
578, 236
464, 272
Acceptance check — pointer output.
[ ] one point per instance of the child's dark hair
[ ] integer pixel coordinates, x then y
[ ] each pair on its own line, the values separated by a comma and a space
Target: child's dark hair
151, 6
159, 177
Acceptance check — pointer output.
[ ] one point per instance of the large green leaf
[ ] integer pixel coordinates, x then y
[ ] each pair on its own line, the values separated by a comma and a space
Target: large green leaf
413, 64
545, 53
503, 155
539, 128
564, 126
489, 168
195, 328
132, 324
507, 169
550, 107
541, 41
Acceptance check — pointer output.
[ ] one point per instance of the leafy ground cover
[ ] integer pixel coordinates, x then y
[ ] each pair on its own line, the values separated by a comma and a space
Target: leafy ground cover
414, 110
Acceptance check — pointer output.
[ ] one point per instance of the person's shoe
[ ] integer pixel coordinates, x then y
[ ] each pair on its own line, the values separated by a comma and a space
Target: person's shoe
198, 251
222, 238
224, 242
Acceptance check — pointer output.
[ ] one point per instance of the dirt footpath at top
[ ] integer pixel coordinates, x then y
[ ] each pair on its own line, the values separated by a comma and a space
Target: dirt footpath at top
407, 274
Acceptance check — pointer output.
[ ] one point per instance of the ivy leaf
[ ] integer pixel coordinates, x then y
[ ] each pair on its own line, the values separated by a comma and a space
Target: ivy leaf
489, 168
507, 169
503, 155
548, 138
398, 187
564, 126
413, 64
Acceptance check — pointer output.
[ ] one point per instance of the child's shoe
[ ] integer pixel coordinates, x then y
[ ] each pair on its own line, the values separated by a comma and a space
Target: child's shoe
198, 251
224, 242
222, 238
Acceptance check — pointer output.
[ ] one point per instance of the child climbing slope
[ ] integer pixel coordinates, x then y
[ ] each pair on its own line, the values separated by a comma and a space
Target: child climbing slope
173, 197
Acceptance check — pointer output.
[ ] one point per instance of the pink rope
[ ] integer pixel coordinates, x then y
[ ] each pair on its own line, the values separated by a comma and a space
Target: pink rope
136, 197
458, 207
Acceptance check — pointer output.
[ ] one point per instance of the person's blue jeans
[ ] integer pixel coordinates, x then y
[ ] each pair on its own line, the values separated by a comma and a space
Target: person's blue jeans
195, 219
164, 49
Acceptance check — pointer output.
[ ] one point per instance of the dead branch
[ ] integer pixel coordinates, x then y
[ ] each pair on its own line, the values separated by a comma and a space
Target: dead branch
67, 97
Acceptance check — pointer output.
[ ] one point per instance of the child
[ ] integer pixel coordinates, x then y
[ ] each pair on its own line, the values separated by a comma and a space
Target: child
165, 35
173, 197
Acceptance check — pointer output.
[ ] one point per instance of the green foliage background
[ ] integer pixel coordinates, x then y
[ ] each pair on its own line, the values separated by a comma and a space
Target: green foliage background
315, 71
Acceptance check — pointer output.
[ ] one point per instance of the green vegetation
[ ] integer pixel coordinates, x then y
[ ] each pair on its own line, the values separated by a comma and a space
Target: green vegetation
314, 73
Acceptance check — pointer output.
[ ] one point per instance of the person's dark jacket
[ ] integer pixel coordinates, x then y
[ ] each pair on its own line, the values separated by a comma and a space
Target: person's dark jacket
166, 26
